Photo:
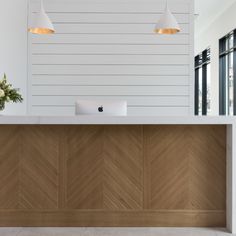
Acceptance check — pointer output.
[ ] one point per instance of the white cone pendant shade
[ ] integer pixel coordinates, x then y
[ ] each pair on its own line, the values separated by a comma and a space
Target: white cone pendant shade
167, 23
42, 24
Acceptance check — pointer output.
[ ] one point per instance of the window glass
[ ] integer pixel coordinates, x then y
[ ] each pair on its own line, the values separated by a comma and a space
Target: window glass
208, 89
231, 85
200, 92
227, 52
203, 81
231, 42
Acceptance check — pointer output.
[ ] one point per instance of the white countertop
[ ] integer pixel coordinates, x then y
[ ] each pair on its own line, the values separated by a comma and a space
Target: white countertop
109, 120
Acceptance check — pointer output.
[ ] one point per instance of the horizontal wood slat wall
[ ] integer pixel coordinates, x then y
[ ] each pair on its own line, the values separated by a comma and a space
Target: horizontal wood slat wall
113, 175
108, 50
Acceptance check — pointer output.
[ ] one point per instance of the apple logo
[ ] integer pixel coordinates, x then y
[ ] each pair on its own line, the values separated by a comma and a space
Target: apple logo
100, 109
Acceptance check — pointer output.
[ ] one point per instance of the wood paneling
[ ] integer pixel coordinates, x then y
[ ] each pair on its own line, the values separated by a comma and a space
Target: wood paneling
9, 167
190, 162
108, 48
134, 69
167, 162
70, 49
123, 168
207, 168
96, 17
95, 218
84, 167
114, 6
133, 101
113, 90
133, 110
100, 59
39, 168
109, 38
113, 175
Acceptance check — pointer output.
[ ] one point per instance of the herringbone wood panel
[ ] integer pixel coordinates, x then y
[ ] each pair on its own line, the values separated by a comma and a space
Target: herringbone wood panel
186, 167
167, 167
123, 168
39, 168
207, 171
112, 175
84, 167
9, 167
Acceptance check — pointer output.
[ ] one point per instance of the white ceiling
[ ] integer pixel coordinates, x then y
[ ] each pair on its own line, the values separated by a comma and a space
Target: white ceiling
208, 11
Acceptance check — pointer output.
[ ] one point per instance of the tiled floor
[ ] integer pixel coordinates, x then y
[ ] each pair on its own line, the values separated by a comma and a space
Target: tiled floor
112, 232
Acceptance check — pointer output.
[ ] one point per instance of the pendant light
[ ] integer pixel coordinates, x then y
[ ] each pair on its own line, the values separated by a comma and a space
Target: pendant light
42, 24
167, 23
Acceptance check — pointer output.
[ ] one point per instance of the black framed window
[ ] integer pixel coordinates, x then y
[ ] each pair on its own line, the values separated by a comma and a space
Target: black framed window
203, 83
227, 83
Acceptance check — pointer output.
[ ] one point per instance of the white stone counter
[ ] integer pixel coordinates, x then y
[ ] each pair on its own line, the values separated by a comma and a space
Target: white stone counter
115, 120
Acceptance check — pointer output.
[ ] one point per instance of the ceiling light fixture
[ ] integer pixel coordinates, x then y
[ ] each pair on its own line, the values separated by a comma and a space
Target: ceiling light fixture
167, 23
42, 23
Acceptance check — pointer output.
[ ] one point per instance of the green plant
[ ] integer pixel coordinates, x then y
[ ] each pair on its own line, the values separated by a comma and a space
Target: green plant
7, 93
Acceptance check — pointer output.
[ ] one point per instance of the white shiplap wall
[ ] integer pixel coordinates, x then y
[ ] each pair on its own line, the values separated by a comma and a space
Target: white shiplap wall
106, 49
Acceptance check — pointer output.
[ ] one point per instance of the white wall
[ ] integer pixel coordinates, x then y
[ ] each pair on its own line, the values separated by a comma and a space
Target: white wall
13, 48
13, 61
106, 49
225, 23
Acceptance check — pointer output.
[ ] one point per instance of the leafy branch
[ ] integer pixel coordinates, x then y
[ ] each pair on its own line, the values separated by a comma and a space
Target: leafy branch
8, 93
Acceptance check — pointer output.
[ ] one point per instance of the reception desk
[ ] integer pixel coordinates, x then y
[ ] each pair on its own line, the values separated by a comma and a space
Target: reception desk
117, 171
